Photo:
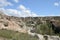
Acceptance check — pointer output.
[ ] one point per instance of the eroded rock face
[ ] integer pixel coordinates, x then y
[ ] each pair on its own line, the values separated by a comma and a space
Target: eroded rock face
55, 26
11, 23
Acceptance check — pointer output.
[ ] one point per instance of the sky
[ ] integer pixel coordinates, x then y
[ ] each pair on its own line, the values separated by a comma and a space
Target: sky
25, 8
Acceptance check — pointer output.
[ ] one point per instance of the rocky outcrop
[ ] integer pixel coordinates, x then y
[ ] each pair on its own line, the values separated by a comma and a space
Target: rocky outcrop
55, 24
11, 23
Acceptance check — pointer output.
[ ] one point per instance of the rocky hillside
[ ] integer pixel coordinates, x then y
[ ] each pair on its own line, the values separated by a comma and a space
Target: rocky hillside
19, 23
40, 25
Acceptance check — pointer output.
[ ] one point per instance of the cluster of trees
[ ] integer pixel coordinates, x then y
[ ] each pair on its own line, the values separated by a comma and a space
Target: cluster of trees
45, 29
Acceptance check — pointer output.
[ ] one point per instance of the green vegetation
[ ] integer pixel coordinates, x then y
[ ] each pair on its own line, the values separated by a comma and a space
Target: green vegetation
45, 29
42, 29
16, 35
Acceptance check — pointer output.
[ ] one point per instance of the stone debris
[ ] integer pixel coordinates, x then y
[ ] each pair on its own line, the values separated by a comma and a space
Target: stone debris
47, 37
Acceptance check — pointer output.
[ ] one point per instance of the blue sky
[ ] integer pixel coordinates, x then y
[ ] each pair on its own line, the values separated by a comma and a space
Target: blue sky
34, 7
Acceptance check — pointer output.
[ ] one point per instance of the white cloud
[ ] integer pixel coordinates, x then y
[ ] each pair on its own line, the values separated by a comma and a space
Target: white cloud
5, 3
23, 12
26, 11
16, 1
56, 3
21, 7
34, 15
13, 12
3, 10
